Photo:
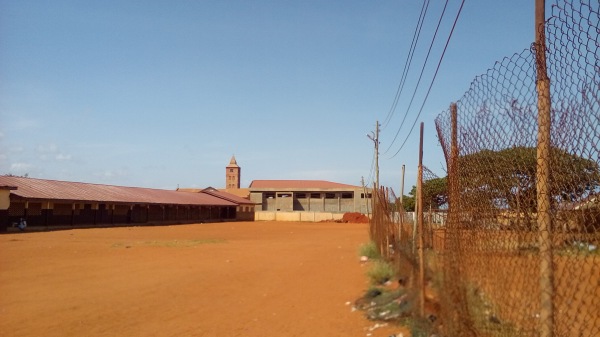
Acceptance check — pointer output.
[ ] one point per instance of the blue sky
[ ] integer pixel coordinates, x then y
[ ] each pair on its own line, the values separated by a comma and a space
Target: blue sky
163, 93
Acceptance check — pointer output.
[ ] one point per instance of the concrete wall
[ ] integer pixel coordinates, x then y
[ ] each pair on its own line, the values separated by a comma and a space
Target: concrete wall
245, 213
296, 216
310, 200
4, 199
316, 205
284, 202
4, 205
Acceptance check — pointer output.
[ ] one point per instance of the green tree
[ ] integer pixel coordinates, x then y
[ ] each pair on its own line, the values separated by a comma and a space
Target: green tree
435, 194
408, 201
507, 178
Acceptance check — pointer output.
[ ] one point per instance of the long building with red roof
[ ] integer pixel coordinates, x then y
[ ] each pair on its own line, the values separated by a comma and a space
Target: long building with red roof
44, 202
48, 203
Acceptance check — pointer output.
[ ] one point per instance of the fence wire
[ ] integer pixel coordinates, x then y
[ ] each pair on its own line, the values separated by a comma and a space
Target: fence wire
514, 256
493, 252
397, 235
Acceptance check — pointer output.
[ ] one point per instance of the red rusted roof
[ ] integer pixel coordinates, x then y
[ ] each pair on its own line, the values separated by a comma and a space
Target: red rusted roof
240, 192
298, 184
219, 194
191, 190
31, 188
227, 196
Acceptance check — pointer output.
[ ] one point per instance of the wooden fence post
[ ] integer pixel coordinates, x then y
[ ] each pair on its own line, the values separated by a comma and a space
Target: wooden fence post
420, 224
543, 174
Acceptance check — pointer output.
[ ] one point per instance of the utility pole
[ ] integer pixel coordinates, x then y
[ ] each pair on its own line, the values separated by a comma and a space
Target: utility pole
402, 188
366, 195
401, 210
374, 136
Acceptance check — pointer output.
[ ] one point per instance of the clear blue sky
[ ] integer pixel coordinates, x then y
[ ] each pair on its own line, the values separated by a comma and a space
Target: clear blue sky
163, 93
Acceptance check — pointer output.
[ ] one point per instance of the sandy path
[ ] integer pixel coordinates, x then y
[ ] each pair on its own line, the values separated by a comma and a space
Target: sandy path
224, 279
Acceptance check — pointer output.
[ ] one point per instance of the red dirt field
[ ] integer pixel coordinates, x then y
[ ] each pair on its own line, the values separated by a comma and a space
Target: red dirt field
221, 279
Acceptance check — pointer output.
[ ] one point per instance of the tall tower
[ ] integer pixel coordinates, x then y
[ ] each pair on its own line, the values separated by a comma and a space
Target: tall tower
233, 174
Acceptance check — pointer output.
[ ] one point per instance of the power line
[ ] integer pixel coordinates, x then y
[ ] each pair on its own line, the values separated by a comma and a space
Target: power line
408, 62
420, 77
433, 80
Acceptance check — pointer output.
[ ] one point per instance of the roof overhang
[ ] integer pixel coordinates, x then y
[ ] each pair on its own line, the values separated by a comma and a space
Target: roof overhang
306, 189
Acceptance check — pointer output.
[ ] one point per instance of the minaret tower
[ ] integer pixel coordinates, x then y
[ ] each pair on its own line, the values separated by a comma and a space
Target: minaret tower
233, 174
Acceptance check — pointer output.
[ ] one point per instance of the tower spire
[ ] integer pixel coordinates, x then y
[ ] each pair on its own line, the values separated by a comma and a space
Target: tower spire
233, 173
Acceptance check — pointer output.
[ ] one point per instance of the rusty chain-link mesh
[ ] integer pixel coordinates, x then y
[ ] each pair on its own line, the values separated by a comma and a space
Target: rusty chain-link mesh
383, 228
397, 236
518, 252
495, 277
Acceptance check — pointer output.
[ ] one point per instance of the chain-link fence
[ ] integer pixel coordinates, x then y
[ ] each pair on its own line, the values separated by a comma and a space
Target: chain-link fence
521, 253
411, 247
383, 227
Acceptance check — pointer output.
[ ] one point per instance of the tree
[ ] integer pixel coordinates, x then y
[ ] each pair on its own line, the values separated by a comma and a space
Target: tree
408, 202
507, 178
26, 175
435, 194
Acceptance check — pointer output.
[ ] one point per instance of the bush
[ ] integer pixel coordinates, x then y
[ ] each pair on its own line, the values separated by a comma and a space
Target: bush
419, 327
369, 250
380, 272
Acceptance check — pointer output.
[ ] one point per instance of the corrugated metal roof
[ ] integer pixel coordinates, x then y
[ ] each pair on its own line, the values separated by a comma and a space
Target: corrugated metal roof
227, 196
219, 194
32, 188
191, 190
240, 192
297, 184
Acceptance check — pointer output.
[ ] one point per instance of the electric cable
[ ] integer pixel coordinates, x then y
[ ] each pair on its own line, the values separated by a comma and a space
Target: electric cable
408, 62
370, 176
420, 77
433, 80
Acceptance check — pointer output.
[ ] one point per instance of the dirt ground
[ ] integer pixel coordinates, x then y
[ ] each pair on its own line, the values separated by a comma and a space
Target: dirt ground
222, 279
